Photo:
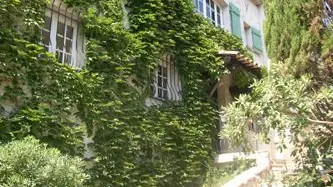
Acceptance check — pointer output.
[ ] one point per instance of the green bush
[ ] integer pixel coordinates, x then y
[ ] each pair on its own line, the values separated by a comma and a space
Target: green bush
30, 163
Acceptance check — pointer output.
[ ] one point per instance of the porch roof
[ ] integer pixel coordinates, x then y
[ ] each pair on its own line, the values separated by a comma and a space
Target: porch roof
236, 58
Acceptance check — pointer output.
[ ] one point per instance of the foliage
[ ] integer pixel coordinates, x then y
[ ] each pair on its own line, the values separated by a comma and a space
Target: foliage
295, 97
28, 163
166, 145
39, 95
284, 103
242, 78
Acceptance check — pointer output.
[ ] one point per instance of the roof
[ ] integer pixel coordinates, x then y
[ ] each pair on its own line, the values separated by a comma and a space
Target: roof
237, 57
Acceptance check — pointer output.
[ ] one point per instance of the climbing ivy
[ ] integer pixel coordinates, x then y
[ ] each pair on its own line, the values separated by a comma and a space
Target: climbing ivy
165, 145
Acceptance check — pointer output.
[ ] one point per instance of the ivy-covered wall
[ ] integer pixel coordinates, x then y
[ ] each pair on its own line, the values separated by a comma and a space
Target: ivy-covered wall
168, 145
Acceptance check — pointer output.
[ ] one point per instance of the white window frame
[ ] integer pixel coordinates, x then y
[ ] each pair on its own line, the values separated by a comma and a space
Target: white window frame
208, 10
198, 4
162, 91
220, 16
208, 13
55, 17
173, 83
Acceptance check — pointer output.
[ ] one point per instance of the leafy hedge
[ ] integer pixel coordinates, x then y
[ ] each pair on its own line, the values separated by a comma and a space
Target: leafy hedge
28, 163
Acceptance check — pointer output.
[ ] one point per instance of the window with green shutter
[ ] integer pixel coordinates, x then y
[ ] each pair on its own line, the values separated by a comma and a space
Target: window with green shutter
256, 39
235, 20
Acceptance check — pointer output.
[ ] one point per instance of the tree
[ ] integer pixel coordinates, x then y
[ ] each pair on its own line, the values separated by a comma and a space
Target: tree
296, 93
29, 163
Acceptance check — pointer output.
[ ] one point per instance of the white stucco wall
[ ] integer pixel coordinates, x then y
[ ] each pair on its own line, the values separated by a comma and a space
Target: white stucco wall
251, 15
254, 16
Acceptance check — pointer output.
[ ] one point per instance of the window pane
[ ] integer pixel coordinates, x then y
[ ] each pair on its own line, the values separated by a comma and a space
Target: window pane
68, 46
60, 43
164, 72
218, 15
213, 16
59, 56
159, 93
61, 28
212, 9
201, 6
165, 94
69, 32
159, 81
46, 37
165, 83
68, 59
160, 70
207, 9
47, 23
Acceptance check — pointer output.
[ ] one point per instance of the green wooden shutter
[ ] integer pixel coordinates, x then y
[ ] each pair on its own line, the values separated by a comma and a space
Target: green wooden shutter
235, 20
256, 39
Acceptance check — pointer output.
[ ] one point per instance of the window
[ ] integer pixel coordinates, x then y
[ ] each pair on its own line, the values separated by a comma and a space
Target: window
166, 84
212, 11
235, 20
162, 82
218, 16
46, 30
256, 40
60, 36
208, 14
199, 5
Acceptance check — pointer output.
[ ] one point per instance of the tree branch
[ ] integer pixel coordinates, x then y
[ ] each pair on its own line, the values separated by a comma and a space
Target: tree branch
320, 122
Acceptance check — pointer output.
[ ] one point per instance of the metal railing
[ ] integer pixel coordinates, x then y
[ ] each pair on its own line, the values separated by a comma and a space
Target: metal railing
166, 83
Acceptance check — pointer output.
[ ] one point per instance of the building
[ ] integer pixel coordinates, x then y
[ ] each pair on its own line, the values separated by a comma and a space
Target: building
62, 35
243, 18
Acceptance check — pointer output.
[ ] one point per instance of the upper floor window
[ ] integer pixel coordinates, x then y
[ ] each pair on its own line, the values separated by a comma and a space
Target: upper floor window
166, 84
199, 5
253, 38
210, 10
218, 16
60, 35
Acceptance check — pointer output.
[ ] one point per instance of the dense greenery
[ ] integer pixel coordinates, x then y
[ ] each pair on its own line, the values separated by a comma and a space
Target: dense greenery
166, 145
296, 94
40, 94
28, 163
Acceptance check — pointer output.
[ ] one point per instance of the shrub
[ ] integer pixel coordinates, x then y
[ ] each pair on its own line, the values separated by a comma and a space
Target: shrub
30, 163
